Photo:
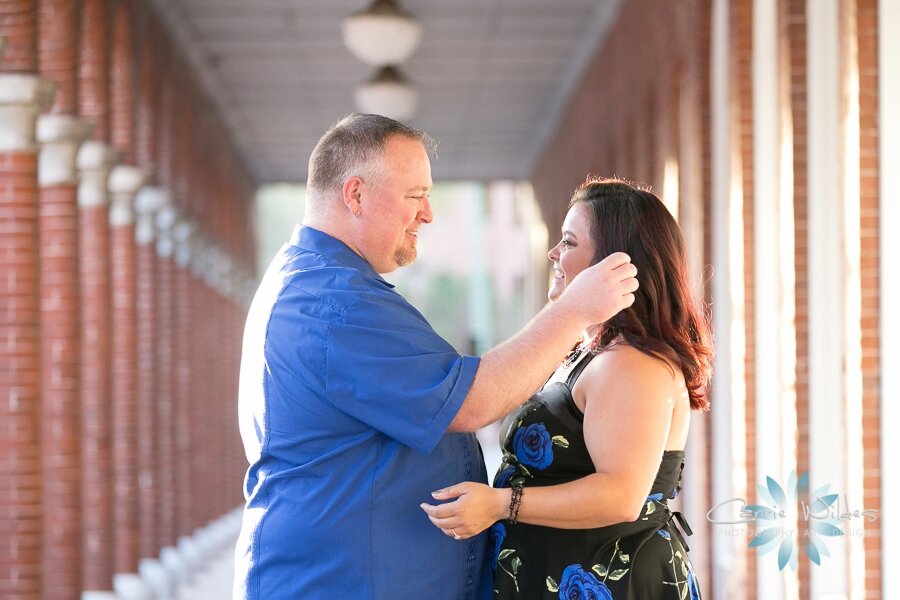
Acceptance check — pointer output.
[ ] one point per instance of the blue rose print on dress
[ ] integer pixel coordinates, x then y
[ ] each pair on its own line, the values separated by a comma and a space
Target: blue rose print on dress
497, 535
502, 479
692, 586
578, 584
533, 446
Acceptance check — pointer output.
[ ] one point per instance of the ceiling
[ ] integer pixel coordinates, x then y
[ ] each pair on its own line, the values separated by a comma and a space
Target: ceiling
493, 75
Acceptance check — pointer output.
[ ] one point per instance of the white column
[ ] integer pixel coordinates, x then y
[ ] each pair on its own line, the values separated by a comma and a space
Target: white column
60, 137
95, 161
827, 431
182, 233
852, 296
22, 98
773, 286
148, 202
889, 278
695, 503
728, 397
200, 244
222, 269
124, 183
166, 219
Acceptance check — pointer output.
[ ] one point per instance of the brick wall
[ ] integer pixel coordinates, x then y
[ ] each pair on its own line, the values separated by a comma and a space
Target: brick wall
794, 14
619, 121
742, 82
100, 334
867, 42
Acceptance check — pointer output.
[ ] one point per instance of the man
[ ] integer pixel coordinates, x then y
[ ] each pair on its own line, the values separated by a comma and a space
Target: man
352, 409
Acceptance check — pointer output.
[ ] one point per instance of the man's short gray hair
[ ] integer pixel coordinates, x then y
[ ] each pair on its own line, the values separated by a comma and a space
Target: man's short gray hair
353, 147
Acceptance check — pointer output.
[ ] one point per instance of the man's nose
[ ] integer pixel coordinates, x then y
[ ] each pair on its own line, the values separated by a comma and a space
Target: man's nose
425, 214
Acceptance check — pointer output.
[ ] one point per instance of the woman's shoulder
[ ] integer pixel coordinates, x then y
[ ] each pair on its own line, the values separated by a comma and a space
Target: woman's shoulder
625, 365
623, 356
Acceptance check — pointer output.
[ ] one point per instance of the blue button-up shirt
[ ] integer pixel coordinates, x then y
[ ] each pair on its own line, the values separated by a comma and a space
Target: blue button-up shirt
346, 394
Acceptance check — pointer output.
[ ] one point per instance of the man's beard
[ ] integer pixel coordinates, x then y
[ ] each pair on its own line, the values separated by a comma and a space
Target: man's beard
405, 255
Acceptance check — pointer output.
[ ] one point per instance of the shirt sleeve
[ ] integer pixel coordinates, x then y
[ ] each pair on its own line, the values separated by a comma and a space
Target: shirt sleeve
387, 367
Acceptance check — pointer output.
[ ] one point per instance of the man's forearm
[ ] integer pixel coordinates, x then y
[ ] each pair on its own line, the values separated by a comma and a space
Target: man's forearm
511, 372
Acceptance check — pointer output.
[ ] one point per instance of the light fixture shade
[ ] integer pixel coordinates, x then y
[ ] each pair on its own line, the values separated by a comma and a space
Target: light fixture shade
382, 34
388, 94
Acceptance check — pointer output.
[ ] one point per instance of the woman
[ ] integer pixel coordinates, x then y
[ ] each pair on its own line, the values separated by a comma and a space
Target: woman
590, 461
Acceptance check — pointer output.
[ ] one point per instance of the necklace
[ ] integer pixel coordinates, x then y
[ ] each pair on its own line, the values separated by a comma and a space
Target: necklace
574, 354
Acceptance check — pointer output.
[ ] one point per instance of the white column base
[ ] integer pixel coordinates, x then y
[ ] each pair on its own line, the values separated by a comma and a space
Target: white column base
124, 183
130, 586
157, 578
94, 161
22, 98
98, 595
60, 137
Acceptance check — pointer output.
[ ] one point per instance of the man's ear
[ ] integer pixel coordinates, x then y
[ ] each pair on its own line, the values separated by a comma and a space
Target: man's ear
351, 194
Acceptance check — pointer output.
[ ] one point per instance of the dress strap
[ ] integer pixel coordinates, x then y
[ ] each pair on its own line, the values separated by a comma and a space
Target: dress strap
681, 527
577, 369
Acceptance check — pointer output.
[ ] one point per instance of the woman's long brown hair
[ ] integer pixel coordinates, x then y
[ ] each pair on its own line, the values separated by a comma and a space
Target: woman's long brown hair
665, 320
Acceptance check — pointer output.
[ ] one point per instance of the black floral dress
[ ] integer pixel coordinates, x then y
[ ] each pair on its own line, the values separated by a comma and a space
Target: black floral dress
543, 444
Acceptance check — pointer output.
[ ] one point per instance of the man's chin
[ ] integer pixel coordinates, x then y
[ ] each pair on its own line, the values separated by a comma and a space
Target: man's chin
405, 257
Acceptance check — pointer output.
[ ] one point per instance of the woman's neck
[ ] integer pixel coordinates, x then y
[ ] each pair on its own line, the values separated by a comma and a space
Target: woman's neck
590, 333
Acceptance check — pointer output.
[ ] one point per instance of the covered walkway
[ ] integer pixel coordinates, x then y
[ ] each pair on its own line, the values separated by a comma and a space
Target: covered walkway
770, 128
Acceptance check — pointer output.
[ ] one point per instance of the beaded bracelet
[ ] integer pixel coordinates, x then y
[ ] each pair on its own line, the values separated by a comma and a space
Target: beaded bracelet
515, 501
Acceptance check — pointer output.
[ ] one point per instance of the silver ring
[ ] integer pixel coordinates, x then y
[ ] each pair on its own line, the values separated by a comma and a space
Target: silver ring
455, 535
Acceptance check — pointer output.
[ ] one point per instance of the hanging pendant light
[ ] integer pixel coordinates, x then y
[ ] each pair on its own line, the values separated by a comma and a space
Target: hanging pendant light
388, 94
382, 34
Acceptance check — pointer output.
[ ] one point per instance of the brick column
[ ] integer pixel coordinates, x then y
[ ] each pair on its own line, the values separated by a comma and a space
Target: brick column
95, 160
185, 427
61, 134
121, 79
94, 66
148, 202
22, 97
124, 182
60, 320
203, 380
214, 272
222, 288
234, 475
165, 449
219, 284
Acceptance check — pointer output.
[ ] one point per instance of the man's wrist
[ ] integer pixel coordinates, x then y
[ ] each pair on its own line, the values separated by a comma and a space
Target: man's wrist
563, 316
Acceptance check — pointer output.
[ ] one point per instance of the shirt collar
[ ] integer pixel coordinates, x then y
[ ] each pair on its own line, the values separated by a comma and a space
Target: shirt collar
321, 243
